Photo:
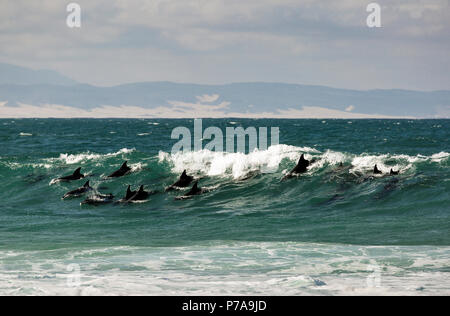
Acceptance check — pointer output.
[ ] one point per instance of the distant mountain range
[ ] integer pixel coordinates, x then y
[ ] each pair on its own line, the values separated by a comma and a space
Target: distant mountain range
20, 85
16, 75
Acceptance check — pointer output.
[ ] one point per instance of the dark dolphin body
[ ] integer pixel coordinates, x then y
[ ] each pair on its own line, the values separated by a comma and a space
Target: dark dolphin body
78, 192
301, 167
249, 175
75, 176
134, 196
128, 195
98, 199
183, 181
32, 179
341, 173
124, 169
140, 195
388, 188
195, 190
394, 173
376, 171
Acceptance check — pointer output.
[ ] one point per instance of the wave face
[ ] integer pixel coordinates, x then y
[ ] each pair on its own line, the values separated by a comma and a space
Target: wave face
310, 232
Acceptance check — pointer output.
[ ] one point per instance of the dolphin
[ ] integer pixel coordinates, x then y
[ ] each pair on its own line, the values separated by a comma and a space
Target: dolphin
98, 199
376, 171
301, 167
388, 188
195, 190
78, 192
75, 176
342, 174
183, 181
124, 169
393, 173
249, 175
32, 178
128, 195
140, 195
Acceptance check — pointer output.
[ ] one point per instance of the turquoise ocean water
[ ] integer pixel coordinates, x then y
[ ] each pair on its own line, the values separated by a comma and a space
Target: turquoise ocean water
330, 231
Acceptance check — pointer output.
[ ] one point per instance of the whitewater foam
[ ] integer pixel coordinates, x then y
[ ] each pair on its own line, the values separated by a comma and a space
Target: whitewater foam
440, 156
237, 165
230, 268
70, 159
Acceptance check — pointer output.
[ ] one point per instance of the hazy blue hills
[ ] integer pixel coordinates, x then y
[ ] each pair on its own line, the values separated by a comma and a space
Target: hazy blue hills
11, 74
46, 87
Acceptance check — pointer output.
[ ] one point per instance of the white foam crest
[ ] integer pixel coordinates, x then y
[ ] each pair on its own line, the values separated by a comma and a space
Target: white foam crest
238, 165
16, 165
235, 164
70, 159
329, 158
137, 166
366, 162
440, 156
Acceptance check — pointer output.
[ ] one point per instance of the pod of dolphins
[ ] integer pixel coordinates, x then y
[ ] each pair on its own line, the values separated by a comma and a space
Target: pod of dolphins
183, 182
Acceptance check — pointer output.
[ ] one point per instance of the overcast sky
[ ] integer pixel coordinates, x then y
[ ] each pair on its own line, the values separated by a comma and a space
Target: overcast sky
223, 41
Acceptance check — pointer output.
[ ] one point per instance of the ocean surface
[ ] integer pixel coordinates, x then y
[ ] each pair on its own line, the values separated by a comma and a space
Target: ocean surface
332, 231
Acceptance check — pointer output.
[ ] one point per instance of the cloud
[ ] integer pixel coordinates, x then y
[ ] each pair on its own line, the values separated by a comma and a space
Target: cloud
218, 41
349, 108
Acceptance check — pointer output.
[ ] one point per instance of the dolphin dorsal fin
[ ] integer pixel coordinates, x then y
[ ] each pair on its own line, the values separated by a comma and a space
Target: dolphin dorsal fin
195, 186
77, 172
129, 193
124, 165
183, 175
302, 159
141, 188
86, 185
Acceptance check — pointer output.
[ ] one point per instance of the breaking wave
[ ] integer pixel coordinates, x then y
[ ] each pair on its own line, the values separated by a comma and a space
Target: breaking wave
71, 159
276, 158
